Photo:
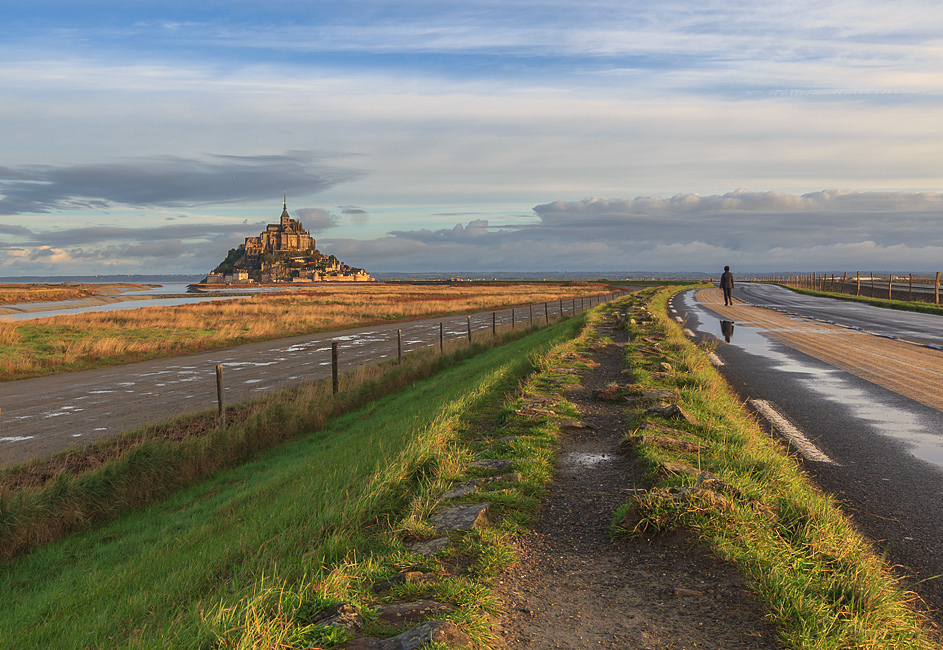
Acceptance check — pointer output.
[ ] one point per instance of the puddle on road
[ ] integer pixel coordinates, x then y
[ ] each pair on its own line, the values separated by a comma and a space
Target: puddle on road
584, 459
832, 384
250, 364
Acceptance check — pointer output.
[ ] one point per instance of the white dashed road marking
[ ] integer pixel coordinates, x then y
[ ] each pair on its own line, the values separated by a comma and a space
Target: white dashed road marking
787, 429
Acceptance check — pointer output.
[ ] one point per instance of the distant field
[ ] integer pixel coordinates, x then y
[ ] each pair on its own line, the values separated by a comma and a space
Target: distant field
16, 293
74, 342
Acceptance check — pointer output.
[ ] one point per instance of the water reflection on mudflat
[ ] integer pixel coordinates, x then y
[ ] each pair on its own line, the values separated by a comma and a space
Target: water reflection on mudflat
177, 293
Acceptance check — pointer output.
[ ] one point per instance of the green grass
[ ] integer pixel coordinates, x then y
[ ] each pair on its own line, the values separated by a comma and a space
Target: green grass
232, 560
148, 464
820, 581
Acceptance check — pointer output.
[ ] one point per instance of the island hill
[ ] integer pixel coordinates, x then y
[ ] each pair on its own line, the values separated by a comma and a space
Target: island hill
285, 252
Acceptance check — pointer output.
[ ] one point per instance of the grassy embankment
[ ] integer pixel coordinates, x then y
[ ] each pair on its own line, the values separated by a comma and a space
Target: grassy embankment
246, 557
822, 584
65, 343
45, 499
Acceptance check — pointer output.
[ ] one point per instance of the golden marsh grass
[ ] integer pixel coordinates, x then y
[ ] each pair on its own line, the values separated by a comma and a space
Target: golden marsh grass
36, 292
73, 342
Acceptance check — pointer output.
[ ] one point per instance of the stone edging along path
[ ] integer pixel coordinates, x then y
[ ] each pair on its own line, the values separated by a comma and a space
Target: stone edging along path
572, 585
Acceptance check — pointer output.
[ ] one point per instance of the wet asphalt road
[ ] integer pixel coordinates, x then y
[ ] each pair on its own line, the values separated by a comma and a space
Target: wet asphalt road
887, 450
45, 415
925, 329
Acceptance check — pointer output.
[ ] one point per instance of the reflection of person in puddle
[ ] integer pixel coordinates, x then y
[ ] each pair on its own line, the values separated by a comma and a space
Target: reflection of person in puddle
726, 285
726, 327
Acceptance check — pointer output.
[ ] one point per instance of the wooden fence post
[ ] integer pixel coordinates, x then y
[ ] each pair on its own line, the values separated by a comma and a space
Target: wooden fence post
220, 396
547, 311
843, 276
399, 346
469, 328
937, 289
911, 295
890, 285
512, 317
494, 323
858, 283
334, 382
441, 338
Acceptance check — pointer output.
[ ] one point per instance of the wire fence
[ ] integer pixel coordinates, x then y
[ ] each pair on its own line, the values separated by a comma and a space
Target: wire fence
83, 410
911, 288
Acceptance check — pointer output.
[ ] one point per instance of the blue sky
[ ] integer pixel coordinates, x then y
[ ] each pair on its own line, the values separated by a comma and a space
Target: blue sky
473, 136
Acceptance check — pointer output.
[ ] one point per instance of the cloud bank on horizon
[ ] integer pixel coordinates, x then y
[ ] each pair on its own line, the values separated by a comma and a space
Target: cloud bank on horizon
446, 136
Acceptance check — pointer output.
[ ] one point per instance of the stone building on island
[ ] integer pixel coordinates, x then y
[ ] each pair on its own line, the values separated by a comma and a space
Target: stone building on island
284, 252
286, 235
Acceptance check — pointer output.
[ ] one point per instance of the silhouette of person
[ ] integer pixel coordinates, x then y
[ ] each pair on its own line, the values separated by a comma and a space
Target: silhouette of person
726, 328
726, 284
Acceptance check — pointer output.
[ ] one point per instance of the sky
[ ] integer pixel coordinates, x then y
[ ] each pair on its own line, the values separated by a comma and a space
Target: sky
676, 136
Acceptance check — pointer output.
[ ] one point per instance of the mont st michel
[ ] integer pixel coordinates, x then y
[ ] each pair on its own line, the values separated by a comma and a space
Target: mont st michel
284, 252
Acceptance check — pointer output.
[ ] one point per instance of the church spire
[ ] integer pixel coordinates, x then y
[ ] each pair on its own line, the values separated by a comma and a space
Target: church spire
285, 217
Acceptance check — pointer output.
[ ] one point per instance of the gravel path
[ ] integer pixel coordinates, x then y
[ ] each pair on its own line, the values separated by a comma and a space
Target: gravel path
575, 587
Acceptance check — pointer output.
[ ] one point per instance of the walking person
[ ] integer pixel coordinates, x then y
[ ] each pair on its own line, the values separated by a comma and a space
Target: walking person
726, 284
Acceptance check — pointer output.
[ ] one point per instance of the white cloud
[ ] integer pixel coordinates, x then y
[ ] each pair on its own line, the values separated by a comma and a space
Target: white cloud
316, 219
420, 109
752, 231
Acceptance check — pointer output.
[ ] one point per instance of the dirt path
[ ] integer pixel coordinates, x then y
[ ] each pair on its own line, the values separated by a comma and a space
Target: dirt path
574, 587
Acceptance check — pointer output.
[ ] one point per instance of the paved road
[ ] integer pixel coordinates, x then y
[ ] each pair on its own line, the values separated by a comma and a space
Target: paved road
902, 289
45, 415
925, 329
867, 403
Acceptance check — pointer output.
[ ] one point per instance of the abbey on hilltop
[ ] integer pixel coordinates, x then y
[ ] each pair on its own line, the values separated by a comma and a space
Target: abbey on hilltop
285, 252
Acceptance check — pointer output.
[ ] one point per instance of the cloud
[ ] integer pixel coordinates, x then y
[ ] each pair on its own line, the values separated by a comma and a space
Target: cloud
475, 232
7, 229
752, 231
316, 219
176, 248
164, 181
101, 234
743, 220
358, 216
831, 201
829, 230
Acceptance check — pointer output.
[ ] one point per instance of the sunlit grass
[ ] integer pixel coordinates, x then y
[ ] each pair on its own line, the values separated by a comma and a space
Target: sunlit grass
243, 558
72, 342
821, 583
17, 293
